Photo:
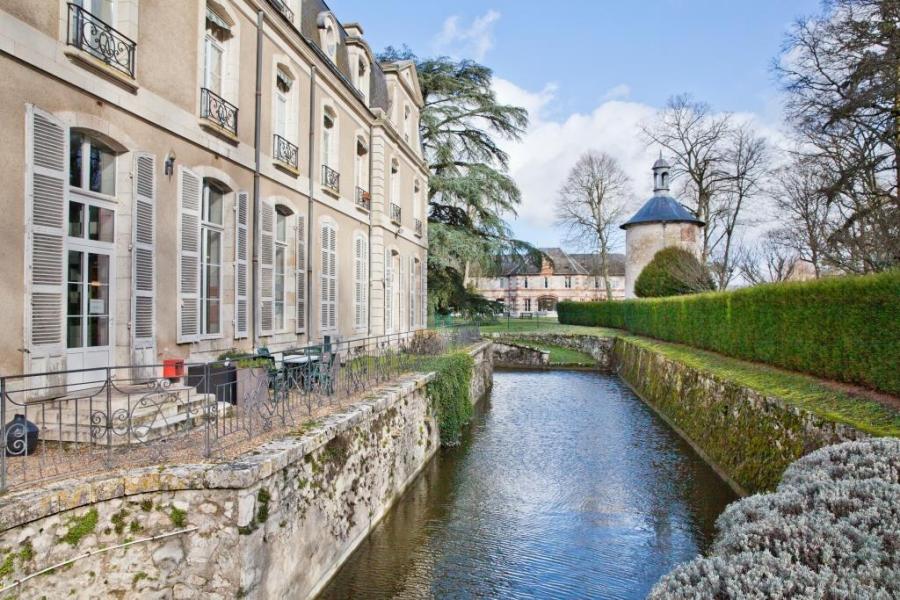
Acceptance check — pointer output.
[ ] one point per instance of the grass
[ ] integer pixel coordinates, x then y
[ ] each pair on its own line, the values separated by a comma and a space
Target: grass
558, 354
537, 325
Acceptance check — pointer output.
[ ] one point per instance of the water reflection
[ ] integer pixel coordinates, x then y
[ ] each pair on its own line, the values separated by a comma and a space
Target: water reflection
565, 486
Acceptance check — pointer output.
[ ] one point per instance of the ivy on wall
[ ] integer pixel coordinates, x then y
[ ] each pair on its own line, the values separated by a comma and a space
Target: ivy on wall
449, 393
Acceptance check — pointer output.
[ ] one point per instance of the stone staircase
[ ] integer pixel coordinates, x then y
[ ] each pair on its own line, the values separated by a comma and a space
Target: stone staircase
139, 414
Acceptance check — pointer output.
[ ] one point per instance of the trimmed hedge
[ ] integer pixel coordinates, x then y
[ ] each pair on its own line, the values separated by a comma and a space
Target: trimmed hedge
842, 328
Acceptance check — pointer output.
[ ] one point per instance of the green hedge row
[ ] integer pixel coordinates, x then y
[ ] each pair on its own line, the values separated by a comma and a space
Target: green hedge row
843, 328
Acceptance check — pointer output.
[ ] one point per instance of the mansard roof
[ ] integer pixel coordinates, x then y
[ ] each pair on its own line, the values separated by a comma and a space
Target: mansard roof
563, 264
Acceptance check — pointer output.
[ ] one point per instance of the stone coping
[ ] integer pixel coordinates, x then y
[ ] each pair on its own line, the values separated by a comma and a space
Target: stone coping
20, 508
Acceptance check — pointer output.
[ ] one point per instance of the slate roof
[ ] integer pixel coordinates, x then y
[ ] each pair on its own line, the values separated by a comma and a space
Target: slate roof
563, 264
662, 209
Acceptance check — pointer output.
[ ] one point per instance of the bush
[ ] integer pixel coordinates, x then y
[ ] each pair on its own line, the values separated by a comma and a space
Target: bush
827, 533
843, 328
672, 272
449, 394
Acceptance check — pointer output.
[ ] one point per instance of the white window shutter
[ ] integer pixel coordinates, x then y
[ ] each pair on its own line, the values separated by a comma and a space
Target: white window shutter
402, 299
328, 278
423, 282
190, 189
266, 267
360, 282
332, 274
388, 291
143, 313
241, 266
46, 190
411, 287
301, 274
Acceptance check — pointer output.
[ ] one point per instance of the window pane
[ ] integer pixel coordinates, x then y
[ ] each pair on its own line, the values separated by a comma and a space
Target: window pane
213, 75
103, 170
212, 281
73, 332
74, 266
213, 247
280, 227
212, 316
75, 141
98, 331
214, 204
279, 316
100, 224
76, 219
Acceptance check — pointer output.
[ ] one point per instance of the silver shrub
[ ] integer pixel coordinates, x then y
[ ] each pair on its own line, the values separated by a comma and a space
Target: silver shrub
832, 530
876, 458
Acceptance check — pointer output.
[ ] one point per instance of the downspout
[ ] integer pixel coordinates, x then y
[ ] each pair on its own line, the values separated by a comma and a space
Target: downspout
369, 272
256, 169
309, 209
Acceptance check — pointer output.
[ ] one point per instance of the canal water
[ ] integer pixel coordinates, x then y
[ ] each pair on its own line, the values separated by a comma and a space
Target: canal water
565, 486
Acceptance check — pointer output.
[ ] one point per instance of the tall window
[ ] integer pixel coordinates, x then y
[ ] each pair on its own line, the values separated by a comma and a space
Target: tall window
568, 282
283, 84
92, 165
395, 182
329, 139
528, 304
526, 283
546, 282
281, 241
217, 33
362, 77
328, 277
102, 9
362, 164
212, 212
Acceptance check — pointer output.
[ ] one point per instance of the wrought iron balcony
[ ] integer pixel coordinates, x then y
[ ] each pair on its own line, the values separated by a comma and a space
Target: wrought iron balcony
218, 110
101, 40
282, 7
363, 199
286, 152
331, 178
395, 213
418, 227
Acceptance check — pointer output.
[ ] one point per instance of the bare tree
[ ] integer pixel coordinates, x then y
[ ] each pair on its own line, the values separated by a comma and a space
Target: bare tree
768, 262
841, 72
591, 203
689, 131
801, 197
745, 159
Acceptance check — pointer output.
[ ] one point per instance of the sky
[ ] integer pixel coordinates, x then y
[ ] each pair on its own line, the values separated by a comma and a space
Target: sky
591, 71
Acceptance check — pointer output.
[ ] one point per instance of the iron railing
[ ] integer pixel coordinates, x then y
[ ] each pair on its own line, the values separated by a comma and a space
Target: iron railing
395, 213
218, 110
101, 40
418, 225
363, 199
283, 8
331, 178
75, 422
286, 152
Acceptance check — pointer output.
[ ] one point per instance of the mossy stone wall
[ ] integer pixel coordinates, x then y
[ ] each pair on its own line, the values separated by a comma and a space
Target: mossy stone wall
748, 437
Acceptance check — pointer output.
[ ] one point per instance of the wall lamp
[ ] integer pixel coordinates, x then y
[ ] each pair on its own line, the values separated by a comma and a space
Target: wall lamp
169, 164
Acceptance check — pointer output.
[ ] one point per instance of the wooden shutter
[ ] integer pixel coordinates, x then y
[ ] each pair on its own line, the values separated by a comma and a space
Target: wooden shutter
46, 190
411, 275
241, 266
143, 257
301, 274
401, 299
388, 291
266, 267
330, 268
190, 190
360, 254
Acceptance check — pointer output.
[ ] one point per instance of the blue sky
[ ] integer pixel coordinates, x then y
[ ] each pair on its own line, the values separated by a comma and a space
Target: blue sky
592, 71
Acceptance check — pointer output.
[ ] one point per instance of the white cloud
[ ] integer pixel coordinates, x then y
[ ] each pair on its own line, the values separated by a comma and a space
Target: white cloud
472, 41
619, 92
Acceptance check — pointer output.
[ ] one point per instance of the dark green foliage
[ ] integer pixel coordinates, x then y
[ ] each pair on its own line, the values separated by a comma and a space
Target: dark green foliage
449, 393
672, 272
262, 508
80, 527
842, 328
178, 517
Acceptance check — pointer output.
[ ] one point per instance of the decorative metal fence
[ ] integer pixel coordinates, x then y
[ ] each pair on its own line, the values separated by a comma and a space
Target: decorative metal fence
285, 152
94, 420
218, 110
395, 213
363, 199
101, 40
331, 178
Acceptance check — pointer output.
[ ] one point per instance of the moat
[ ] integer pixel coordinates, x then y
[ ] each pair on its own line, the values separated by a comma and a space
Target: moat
566, 485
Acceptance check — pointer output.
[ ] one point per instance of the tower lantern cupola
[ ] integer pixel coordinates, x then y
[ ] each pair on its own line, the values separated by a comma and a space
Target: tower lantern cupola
661, 170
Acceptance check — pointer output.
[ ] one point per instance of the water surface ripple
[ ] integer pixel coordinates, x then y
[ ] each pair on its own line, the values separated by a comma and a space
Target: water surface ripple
565, 486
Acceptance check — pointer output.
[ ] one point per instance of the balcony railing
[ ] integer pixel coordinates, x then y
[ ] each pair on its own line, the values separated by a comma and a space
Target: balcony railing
101, 40
286, 152
395, 213
331, 178
282, 7
216, 109
418, 227
363, 199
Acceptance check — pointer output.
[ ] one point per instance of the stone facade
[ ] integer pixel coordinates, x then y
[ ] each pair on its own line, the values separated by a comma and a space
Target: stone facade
276, 523
307, 211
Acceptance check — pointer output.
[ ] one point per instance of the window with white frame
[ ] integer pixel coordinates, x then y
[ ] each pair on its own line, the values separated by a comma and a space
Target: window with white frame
283, 84
92, 165
218, 32
362, 167
211, 225
395, 182
329, 138
362, 76
328, 35
281, 256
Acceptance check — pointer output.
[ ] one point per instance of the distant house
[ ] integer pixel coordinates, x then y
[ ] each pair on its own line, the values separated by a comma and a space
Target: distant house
524, 286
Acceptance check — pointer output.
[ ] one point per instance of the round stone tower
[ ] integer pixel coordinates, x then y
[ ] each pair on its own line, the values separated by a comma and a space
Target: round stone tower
660, 223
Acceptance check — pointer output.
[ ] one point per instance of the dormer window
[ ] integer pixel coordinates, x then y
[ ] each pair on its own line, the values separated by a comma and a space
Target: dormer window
328, 35
362, 77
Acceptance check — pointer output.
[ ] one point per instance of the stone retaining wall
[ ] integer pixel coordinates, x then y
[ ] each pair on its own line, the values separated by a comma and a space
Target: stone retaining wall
509, 354
599, 348
276, 523
749, 438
